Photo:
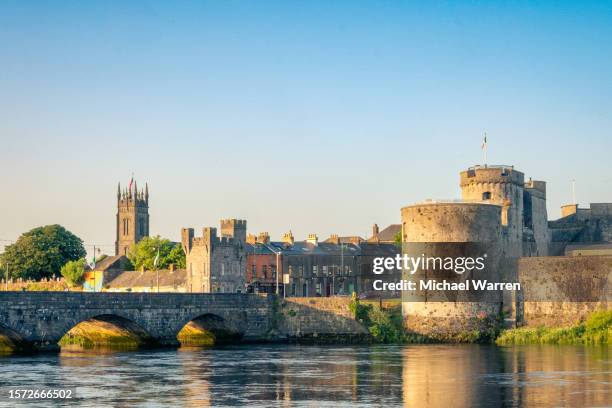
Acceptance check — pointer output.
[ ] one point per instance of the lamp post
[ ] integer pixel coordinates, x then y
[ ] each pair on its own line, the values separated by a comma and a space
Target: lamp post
155, 262
278, 267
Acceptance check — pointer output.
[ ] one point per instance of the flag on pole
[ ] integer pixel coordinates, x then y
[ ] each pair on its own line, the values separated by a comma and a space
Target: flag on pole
131, 182
156, 260
484, 149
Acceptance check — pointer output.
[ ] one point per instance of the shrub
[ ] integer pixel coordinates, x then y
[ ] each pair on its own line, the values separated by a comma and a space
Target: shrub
597, 329
74, 271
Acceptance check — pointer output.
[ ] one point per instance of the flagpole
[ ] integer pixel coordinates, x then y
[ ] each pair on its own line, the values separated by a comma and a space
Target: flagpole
484, 149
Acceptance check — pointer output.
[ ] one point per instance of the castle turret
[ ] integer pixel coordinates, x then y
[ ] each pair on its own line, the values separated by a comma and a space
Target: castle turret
233, 228
501, 185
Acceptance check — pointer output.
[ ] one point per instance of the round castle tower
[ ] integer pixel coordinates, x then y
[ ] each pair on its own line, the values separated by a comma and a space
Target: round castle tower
456, 229
500, 185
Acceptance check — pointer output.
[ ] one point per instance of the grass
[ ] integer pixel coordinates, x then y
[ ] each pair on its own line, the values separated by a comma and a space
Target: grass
6, 345
98, 333
597, 329
195, 335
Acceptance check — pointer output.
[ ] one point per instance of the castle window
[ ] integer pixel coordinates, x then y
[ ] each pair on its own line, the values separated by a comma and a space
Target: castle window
486, 195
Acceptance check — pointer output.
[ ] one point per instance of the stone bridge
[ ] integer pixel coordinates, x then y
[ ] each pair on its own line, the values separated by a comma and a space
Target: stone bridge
40, 319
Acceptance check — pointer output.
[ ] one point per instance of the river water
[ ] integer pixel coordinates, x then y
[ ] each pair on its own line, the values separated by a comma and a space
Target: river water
316, 376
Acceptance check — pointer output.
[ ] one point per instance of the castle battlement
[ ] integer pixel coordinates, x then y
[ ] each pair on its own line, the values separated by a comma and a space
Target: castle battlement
492, 174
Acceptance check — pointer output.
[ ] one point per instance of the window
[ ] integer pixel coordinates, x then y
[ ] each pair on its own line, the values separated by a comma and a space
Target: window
264, 271
318, 288
315, 269
324, 270
254, 271
293, 289
486, 195
273, 271
304, 289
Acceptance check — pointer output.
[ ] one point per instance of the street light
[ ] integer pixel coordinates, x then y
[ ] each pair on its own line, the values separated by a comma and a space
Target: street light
278, 266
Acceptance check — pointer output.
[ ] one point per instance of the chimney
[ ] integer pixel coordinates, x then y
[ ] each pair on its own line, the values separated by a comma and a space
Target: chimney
375, 230
313, 239
288, 238
334, 239
263, 238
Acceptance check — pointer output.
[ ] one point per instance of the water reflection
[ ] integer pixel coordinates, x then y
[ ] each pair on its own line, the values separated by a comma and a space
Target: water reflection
286, 375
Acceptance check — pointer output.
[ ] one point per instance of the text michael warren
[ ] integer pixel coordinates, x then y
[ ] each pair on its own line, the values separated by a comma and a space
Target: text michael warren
432, 284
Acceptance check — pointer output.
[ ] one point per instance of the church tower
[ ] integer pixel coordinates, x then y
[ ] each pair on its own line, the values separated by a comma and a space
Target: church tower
132, 217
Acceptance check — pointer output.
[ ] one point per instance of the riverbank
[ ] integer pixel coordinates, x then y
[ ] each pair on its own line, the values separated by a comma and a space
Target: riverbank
596, 329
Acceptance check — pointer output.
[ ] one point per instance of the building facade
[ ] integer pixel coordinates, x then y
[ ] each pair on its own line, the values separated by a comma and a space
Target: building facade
312, 268
216, 264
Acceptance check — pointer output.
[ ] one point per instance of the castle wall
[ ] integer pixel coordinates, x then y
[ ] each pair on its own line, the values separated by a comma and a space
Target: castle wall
536, 235
562, 290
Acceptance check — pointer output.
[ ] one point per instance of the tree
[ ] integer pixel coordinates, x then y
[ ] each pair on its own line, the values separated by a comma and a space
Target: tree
73, 272
41, 252
397, 239
145, 251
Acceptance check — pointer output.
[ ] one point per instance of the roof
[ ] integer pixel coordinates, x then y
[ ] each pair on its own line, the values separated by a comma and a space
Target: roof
388, 234
325, 248
148, 279
589, 249
379, 249
110, 262
350, 239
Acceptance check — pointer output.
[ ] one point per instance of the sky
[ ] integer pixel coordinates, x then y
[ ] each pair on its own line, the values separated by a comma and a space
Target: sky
315, 116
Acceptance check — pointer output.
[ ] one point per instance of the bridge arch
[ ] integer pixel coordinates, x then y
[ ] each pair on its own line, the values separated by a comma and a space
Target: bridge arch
113, 330
11, 341
208, 329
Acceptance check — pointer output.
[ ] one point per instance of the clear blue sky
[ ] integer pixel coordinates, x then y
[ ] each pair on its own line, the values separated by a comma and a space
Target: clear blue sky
316, 116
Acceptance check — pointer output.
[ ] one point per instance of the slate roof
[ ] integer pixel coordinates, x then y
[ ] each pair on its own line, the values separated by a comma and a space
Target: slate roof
388, 234
148, 279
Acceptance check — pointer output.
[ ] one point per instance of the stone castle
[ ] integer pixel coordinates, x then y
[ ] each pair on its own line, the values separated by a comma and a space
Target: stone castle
216, 264
507, 216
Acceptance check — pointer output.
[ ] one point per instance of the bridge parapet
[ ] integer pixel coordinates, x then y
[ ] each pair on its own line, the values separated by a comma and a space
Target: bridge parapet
42, 318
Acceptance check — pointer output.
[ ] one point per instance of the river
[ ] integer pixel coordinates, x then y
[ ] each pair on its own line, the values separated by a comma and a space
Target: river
317, 376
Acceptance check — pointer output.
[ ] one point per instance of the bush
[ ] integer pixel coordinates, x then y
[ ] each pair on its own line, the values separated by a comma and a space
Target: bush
382, 327
73, 272
597, 329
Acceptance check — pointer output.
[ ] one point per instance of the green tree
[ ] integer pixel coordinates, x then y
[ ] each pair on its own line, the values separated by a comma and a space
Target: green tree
41, 252
73, 272
397, 239
145, 251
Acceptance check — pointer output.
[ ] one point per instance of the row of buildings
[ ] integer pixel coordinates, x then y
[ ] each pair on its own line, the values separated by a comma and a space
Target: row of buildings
497, 204
229, 259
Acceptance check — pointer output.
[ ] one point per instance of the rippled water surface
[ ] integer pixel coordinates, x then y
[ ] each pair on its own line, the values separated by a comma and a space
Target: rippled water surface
288, 375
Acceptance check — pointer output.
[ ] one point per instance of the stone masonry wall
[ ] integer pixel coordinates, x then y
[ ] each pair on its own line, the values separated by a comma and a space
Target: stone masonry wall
563, 290
319, 319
